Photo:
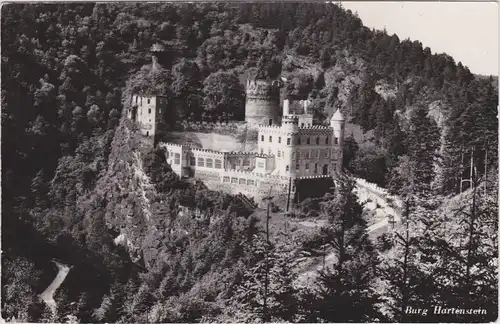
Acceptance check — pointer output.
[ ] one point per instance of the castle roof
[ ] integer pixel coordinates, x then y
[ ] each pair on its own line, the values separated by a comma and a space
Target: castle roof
337, 116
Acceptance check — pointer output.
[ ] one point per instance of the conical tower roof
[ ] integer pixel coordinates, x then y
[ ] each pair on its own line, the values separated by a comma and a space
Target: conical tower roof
337, 116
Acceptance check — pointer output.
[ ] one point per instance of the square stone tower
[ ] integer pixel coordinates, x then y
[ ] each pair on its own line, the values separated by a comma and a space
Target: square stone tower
148, 111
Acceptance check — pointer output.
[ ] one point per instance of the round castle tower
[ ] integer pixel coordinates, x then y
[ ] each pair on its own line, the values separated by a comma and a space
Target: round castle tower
262, 105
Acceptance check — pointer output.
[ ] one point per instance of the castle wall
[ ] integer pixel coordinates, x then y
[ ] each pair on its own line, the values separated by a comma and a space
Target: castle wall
312, 187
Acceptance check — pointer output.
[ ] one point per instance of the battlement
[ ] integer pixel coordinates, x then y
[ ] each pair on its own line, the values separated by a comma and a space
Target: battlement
382, 192
262, 88
240, 153
255, 175
259, 83
314, 177
262, 155
316, 127
201, 150
272, 127
168, 144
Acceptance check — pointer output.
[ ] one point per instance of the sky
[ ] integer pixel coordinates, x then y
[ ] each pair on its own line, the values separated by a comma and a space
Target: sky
467, 31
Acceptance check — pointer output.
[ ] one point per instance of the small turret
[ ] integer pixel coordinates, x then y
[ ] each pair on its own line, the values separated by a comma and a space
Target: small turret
337, 116
337, 122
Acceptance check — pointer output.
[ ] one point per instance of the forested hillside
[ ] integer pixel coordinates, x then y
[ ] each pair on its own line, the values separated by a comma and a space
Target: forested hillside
75, 175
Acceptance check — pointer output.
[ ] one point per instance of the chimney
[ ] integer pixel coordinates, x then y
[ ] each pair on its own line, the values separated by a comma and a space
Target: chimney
286, 108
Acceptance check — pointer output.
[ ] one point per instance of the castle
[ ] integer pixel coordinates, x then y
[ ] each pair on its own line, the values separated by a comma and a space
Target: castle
290, 147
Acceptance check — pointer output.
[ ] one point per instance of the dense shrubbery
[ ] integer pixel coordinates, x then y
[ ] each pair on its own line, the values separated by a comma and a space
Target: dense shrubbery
71, 174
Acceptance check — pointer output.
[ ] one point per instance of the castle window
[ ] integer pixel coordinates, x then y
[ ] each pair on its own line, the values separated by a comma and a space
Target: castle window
210, 163
308, 140
298, 140
150, 120
326, 140
333, 153
246, 162
293, 155
260, 165
279, 139
262, 138
307, 166
317, 140
326, 153
302, 125
306, 154
201, 162
336, 140
192, 161
218, 164
149, 110
317, 153
250, 182
287, 168
270, 139
279, 153
243, 181
136, 99
149, 100
288, 141
226, 179
177, 158
234, 180
297, 166
315, 167
270, 152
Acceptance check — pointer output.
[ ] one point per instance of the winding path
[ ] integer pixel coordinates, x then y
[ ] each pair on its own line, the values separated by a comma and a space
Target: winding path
364, 191
48, 295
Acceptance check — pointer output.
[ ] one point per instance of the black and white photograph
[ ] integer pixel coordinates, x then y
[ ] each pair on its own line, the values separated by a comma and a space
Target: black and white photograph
249, 162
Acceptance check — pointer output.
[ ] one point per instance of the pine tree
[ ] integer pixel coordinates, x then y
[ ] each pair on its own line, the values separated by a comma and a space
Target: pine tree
346, 292
460, 252
422, 143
